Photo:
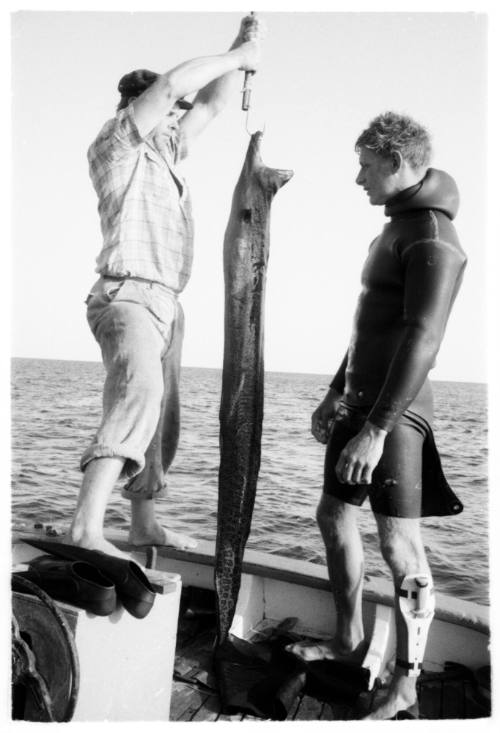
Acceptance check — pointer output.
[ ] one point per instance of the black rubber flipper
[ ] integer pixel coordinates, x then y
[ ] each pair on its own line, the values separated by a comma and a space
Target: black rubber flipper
259, 679
132, 586
331, 680
75, 582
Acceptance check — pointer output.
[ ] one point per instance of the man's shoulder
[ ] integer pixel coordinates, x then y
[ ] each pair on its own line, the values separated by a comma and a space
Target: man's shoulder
425, 230
425, 224
102, 137
117, 137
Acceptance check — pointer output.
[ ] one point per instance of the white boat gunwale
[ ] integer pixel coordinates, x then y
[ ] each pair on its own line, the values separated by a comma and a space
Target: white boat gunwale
300, 572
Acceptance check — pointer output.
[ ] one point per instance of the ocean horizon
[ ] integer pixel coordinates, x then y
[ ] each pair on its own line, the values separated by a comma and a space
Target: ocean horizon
56, 407
214, 368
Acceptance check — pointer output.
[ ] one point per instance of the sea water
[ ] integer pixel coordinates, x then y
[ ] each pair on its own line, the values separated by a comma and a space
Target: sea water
56, 408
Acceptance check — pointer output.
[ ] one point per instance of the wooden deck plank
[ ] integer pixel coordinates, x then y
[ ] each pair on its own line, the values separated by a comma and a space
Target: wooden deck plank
206, 678
209, 711
182, 696
309, 709
293, 708
182, 668
196, 701
195, 657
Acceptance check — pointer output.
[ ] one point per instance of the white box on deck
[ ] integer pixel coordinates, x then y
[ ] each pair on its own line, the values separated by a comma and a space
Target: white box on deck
126, 664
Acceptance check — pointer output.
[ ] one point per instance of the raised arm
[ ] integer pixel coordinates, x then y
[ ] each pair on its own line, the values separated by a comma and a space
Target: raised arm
191, 76
213, 97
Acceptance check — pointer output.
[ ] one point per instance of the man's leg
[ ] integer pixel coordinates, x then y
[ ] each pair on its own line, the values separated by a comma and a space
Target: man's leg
131, 348
86, 529
403, 550
145, 528
344, 554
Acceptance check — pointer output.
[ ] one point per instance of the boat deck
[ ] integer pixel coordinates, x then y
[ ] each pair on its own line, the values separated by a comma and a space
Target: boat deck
457, 692
449, 695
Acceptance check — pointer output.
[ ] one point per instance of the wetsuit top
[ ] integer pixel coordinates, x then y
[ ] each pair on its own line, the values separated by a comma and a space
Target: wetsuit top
409, 282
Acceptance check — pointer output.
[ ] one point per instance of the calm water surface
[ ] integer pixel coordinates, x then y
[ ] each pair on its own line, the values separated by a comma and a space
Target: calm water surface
56, 409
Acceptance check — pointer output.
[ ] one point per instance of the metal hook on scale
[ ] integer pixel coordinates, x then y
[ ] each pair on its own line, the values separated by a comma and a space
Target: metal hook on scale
247, 87
246, 104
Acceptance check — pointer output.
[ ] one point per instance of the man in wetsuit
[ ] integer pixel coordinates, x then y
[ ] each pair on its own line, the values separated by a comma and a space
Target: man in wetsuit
145, 262
376, 416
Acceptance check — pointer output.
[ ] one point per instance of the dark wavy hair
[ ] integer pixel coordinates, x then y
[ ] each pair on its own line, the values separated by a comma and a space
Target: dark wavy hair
134, 84
391, 132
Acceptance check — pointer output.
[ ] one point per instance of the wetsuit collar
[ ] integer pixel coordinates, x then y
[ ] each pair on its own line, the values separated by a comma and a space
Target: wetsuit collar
437, 190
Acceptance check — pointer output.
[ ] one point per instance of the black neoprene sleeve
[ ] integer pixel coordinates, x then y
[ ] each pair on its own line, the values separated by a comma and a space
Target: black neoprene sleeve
433, 272
338, 382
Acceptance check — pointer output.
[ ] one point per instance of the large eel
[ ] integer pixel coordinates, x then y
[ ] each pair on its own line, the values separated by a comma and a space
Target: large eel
246, 252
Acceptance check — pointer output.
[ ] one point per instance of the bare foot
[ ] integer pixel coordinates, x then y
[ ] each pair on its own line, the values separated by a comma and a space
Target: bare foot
162, 536
313, 651
99, 544
400, 697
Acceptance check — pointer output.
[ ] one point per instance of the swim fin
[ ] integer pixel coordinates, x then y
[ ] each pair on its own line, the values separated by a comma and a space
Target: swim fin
132, 586
75, 582
260, 678
336, 681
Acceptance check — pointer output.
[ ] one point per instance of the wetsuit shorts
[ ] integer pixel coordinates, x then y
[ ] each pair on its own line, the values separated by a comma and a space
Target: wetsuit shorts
408, 480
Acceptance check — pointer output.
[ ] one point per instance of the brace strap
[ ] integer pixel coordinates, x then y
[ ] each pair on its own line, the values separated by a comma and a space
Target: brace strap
413, 666
416, 603
405, 594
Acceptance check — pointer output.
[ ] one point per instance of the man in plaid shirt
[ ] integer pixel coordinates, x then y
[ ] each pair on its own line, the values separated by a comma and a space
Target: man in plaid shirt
144, 264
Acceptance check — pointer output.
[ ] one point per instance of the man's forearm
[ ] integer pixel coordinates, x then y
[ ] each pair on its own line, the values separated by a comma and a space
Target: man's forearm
209, 75
188, 77
433, 272
217, 93
338, 381
408, 371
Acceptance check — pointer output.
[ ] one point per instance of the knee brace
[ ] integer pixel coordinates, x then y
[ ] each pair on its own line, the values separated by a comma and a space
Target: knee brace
416, 603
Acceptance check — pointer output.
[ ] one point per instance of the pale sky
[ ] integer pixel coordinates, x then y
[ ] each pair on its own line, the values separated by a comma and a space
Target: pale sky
324, 75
